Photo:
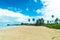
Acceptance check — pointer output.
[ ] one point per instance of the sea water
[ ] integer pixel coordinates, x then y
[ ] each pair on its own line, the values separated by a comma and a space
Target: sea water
6, 27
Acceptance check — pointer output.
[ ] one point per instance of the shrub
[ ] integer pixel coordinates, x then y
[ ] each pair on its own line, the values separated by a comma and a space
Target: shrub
54, 26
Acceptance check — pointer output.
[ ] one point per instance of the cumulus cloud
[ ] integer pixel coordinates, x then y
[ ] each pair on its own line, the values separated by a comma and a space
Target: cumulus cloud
10, 16
38, 11
51, 7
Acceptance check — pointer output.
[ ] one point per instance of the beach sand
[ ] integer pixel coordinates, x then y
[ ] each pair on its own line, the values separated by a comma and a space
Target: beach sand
30, 33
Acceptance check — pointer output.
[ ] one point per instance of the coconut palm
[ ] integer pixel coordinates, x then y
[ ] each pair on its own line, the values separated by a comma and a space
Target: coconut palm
33, 19
29, 20
40, 21
56, 20
47, 21
50, 22
52, 17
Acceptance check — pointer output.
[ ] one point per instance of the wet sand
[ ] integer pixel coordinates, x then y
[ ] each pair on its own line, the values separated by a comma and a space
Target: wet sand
30, 33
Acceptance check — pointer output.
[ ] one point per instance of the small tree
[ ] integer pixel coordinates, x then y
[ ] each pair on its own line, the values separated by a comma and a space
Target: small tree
56, 20
40, 22
52, 17
22, 23
47, 21
50, 22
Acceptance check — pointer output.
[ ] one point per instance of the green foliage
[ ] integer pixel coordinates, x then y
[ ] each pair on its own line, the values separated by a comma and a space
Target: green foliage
47, 22
52, 16
40, 22
54, 26
29, 20
13, 24
56, 20
22, 23
33, 19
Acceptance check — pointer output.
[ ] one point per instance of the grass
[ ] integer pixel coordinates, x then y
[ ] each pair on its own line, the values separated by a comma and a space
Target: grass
54, 26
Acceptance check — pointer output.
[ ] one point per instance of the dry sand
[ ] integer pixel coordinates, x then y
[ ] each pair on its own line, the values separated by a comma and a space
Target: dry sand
29, 33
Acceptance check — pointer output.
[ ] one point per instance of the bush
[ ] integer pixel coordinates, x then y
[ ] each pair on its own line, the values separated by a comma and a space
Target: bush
54, 26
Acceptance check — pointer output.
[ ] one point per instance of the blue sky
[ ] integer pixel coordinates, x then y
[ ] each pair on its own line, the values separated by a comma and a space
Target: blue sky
17, 11
31, 5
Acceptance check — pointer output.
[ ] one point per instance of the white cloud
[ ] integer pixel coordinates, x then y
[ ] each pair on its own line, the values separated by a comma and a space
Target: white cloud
35, 1
52, 8
38, 11
45, 2
4, 20
9, 16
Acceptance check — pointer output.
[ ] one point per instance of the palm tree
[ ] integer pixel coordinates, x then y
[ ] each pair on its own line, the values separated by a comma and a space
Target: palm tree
40, 22
52, 17
47, 21
33, 19
50, 22
29, 20
56, 20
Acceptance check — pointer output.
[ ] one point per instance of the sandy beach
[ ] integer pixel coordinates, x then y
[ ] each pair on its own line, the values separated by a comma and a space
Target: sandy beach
29, 33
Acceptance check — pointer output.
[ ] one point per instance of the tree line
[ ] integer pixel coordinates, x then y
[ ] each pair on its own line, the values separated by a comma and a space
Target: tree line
40, 21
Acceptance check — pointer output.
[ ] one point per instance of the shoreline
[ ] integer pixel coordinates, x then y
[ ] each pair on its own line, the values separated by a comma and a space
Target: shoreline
7, 27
